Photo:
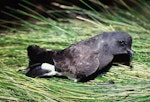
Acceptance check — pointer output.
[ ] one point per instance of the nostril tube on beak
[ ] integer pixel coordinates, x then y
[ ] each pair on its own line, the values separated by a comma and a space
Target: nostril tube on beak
130, 52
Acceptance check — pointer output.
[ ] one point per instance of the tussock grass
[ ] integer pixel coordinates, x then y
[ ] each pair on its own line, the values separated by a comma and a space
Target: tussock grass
130, 84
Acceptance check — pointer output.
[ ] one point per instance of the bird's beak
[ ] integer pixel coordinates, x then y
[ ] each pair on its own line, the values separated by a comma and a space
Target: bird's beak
130, 53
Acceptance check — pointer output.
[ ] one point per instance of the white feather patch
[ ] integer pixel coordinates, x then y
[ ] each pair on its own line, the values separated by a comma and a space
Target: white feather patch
50, 68
46, 66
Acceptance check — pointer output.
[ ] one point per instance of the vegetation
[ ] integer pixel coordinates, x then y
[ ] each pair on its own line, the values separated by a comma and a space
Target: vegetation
131, 85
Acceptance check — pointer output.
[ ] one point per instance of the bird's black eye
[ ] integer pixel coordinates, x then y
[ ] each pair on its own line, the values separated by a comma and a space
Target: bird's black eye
122, 43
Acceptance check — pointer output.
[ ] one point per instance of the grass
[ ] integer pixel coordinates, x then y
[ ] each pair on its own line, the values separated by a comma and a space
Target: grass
130, 85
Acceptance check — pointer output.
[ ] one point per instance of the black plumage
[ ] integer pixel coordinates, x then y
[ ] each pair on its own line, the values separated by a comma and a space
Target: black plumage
86, 59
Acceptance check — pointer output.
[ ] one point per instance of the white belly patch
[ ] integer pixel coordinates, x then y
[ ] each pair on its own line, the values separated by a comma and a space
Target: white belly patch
50, 68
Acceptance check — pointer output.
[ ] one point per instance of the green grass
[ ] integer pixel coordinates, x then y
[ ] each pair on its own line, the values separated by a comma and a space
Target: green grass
130, 85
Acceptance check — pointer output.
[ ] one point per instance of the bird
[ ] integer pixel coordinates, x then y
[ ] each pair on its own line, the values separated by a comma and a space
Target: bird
84, 60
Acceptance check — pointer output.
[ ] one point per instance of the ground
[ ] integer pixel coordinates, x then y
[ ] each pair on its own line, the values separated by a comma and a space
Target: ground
131, 85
